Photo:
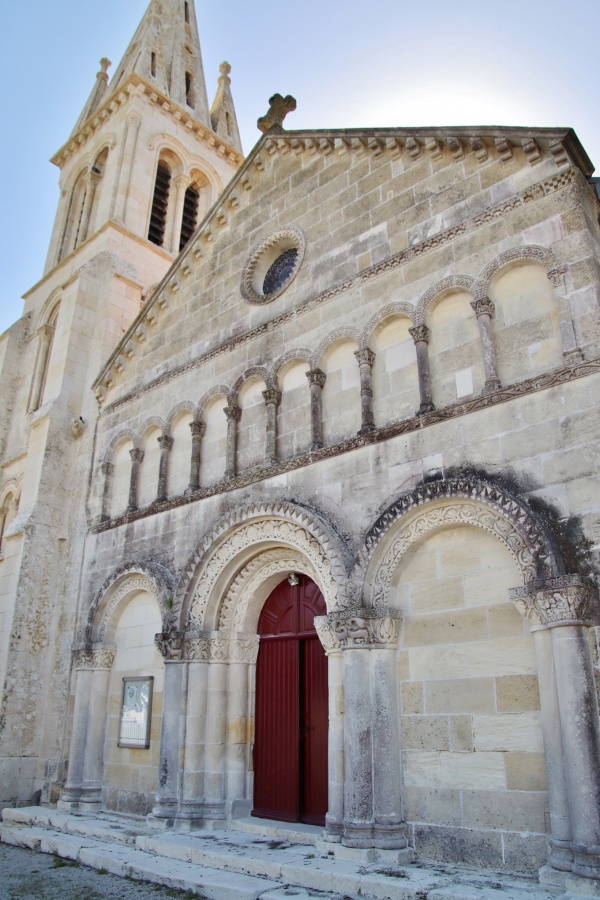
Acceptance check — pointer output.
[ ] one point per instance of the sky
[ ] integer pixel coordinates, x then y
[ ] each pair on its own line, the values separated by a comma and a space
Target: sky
348, 63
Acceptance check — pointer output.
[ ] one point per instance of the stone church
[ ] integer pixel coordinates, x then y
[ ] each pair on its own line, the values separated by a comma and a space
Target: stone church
300, 512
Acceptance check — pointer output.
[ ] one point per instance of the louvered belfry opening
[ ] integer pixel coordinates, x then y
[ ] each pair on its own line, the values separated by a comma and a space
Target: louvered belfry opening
190, 215
160, 202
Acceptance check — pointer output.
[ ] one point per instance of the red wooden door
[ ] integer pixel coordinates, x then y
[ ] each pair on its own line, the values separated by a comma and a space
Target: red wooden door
290, 749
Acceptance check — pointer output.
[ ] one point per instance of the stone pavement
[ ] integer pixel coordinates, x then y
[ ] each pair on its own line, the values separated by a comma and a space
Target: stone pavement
270, 861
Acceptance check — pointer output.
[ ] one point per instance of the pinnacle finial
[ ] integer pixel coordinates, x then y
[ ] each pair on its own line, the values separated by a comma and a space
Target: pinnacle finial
279, 107
224, 69
105, 64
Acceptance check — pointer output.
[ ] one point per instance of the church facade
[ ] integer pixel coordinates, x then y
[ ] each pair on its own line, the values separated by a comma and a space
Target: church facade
300, 503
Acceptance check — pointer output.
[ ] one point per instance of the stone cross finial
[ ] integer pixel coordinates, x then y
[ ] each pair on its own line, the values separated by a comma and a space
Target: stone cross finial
279, 107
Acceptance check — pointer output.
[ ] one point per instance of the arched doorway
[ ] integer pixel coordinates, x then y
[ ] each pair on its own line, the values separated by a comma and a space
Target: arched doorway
290, 750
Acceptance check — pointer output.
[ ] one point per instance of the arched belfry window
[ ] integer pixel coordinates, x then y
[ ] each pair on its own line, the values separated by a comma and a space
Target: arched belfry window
160, 203
190, 215
72, 227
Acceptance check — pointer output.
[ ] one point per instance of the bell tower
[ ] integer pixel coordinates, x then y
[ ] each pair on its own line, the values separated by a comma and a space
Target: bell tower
137, 174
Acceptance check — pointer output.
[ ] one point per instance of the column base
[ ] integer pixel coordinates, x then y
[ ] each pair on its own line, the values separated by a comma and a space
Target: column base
425, 408
577, 885
334, 829
378, 836
552, 879
91, 800
586, 863
166, 808
366, 429
69, 799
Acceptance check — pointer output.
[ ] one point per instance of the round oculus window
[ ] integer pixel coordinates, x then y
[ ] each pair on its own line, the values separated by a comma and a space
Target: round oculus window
273, 265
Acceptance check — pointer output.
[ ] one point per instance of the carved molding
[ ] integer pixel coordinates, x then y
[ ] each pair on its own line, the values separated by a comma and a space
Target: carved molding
569, 600
453, 503
170, 644
94, 656
150, 577
206, 647
359, 629
234, 608
287, 237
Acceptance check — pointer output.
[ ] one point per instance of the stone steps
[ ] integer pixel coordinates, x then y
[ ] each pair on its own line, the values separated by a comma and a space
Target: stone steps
254, 860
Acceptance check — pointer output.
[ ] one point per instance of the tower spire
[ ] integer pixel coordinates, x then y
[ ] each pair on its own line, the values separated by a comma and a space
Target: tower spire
222, 113
98, 92
165, 51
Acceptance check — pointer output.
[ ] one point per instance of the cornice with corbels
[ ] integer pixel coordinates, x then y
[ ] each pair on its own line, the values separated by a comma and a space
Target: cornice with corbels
137, 86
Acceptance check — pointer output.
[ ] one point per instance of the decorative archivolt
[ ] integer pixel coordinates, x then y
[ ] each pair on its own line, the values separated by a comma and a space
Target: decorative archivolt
186, 406
340, 334
452, 503
153, 422
253, 372
120, 438
229, 547
526, 254
235, 606
216, 391
151, 577
391, 311
442, 288
300, 354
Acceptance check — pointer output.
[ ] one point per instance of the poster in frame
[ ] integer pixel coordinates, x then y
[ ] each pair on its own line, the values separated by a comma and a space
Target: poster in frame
136, 713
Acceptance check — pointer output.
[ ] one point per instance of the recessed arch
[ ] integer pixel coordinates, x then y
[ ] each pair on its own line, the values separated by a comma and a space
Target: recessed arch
447, 503
516, 256
451, 285
237, 539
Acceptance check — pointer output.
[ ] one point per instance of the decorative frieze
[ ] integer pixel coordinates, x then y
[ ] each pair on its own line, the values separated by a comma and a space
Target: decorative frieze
204, 647
568, 600
359, 629
94, 656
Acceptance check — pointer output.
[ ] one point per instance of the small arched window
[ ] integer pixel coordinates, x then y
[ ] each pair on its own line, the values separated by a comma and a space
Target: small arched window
160, 203
189, 89
186, 12
153, 64
190, 215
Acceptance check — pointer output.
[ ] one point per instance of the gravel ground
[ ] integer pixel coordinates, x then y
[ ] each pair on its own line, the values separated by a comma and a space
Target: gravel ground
25, 875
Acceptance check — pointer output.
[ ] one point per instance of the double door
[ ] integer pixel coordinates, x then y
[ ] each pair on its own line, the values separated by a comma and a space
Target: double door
290, 749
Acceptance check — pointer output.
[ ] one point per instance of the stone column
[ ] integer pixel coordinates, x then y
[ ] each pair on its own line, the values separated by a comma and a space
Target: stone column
198, 430
133, 124
368, 640
420, 335
172, 736
484, 310
216, 733
136, 459
108, 471
92, 183
182, 182
86, 753
334, 821
234, 414
243, 652
44, 335
567, 606
166, 445
366, 358
191, 807
316, 380
2, 521
272, 400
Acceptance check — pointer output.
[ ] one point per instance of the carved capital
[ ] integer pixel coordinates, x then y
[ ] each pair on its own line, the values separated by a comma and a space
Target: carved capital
355, 629
136, 455
170, 644
483, 306
365, 357
233, 413
568, 600
165, 442
316, 376
45, 333
134, 121
556, 275
198, 429
94, 656
420, 333
272, 396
